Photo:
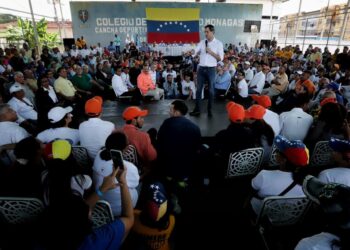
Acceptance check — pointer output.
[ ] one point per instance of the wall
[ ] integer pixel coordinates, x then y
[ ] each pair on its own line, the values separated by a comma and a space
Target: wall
104, 19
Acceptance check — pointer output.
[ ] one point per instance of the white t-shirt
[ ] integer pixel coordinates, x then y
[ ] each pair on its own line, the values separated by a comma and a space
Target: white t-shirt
337, 175
295, 124
93, 134
243, 88
271, 183
322, 241
103, 168
11, 132
63, 133
187, 86
273, 120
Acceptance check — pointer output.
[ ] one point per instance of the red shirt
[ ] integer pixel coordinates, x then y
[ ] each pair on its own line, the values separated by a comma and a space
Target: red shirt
142, 143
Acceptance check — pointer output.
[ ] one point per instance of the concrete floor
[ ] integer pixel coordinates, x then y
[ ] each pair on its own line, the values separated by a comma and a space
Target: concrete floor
159, 111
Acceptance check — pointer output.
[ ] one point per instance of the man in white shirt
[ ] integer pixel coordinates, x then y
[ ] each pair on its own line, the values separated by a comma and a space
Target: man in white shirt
121, 88
211, 51
10, 131
94, 132
257, 84
249, 74
270, 117
295, 124
23, 106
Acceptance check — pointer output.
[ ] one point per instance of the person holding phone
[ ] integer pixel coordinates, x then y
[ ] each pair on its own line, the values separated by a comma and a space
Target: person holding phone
69, 210
103, 166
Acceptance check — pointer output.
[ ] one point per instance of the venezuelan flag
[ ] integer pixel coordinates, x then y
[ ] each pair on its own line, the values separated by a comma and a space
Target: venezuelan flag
172, 25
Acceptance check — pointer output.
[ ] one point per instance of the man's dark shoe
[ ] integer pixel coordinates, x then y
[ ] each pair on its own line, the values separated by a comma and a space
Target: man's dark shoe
195, 113
210, 114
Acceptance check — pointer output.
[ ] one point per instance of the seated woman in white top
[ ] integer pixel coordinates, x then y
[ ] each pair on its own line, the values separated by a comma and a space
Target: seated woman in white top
340, 173
103, 166
59, 119
291, 155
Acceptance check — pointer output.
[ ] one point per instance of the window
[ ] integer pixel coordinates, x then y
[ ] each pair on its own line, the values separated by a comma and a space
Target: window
248, 24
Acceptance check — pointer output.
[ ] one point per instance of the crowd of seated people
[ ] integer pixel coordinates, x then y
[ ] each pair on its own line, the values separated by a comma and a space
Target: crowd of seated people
278, 97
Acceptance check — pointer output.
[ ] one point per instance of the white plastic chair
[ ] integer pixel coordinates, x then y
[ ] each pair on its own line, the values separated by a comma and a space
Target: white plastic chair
15, 210
102, 214
322, 154
245, 162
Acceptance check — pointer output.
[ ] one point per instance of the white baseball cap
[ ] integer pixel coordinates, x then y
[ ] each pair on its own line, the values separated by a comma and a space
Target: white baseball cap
220, 64
15, 88
246, 62
57, 113
299, 72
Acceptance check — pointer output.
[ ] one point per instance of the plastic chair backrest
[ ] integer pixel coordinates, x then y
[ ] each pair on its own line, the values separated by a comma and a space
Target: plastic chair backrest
245, 162
18, 210
322, 154
283, 211
102, 214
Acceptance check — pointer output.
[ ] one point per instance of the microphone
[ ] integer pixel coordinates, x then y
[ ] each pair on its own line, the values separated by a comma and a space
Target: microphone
206, 45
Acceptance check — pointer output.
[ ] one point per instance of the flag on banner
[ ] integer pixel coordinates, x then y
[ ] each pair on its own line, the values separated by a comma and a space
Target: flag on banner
172, 25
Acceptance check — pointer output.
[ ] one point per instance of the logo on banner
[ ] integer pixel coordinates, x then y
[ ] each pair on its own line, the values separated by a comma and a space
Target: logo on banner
83, 15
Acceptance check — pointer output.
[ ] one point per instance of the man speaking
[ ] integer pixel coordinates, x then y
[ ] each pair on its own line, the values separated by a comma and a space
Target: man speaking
210, 52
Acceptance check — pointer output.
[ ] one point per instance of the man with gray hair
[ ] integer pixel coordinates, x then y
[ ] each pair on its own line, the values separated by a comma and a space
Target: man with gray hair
19, 81
10, 131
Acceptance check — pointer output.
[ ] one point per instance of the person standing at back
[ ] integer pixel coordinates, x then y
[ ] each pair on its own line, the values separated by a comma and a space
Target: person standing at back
210, 51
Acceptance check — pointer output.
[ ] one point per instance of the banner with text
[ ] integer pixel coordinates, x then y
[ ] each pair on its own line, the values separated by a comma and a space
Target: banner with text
100, 21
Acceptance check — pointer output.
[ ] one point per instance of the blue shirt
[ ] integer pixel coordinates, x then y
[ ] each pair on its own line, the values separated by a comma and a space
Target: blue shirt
223, 81
107, 237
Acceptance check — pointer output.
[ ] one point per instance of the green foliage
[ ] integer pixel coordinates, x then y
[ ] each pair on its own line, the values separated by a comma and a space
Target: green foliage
7, 18
25, 32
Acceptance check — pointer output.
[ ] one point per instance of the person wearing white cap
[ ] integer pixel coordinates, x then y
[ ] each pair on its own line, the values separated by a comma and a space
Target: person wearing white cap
10, 131
249, 74
59, 119
22, 105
